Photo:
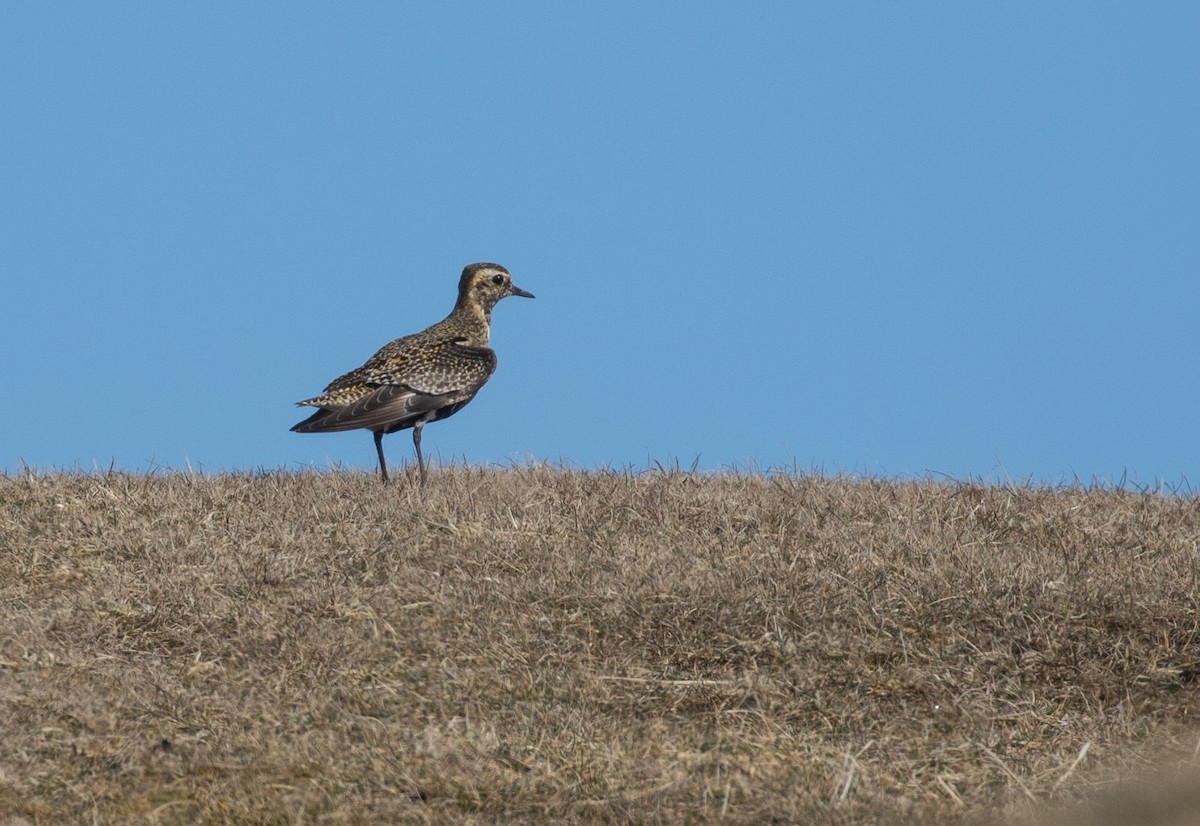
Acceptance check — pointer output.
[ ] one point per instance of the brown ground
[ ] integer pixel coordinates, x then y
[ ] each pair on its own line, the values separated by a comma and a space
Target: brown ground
547, 645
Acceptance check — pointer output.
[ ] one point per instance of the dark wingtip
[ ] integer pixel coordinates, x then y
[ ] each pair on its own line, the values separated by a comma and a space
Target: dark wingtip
306, 426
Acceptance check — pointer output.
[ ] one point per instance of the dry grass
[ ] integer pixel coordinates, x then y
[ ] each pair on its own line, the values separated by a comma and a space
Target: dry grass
550, 645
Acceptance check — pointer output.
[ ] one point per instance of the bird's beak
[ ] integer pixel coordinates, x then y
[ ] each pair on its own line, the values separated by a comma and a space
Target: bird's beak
515, 290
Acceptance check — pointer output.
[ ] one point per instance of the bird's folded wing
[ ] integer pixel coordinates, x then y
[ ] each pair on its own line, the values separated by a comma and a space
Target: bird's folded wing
385, 406
395, 356
448, 366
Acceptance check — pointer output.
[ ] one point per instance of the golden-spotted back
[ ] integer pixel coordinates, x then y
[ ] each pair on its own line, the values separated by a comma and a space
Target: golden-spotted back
422, 377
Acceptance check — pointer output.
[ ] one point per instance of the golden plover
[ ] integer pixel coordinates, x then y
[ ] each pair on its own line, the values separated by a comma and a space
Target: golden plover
420, 378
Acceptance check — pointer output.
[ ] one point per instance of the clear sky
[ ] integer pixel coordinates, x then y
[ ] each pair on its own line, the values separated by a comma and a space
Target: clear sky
895, 239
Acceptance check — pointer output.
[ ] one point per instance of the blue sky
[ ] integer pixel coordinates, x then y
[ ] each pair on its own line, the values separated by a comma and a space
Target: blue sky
895, 239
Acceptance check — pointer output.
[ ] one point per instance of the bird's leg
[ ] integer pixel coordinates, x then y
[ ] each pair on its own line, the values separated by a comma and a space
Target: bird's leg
379, 450
417, 444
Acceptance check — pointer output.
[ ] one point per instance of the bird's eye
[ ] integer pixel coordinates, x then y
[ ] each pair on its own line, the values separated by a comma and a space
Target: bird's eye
497, 279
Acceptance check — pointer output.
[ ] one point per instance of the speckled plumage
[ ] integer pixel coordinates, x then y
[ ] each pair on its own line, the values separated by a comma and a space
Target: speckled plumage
419, 378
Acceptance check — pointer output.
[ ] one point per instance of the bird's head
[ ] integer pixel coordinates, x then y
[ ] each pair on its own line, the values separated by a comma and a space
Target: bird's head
482, 285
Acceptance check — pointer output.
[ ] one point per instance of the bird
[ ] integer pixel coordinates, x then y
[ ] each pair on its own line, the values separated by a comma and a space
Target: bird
419, 378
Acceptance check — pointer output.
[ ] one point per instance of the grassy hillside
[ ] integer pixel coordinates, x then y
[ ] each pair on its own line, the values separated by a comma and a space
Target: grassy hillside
547, 645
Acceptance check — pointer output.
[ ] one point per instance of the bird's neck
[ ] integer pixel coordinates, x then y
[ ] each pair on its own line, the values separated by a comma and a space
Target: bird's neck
473, 321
